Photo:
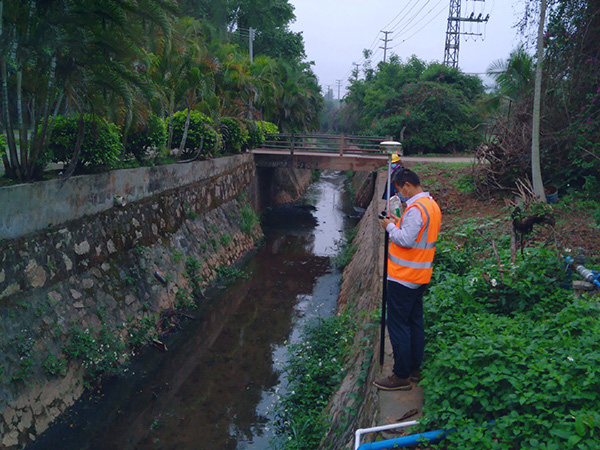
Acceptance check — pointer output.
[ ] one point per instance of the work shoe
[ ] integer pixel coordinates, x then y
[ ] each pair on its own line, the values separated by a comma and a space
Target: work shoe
415, 376
393, 383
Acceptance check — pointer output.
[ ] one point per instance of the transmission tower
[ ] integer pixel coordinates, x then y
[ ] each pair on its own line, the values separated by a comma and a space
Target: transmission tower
385, 43
453, 31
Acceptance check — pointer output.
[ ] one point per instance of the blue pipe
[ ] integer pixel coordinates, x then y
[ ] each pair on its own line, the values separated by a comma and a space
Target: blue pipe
405, 441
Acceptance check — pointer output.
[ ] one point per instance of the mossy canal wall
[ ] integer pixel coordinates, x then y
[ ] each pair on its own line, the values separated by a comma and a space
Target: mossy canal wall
354, 404
116, 268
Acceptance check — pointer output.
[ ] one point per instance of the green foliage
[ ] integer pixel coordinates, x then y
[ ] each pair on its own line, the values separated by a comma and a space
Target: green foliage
100, 148
345, 249
201, 132
433, 104
146, 136
140, 333
268, 127
54, 366
314, 370
255, 134
235, 134
229, 274
509, 345
249, 219
100, 352
438, 119
226, 239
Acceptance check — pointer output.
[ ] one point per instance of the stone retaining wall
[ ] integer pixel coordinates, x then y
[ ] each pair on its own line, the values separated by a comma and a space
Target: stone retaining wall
109, 276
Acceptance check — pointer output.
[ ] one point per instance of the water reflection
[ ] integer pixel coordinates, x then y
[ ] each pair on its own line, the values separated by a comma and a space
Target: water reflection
216, 386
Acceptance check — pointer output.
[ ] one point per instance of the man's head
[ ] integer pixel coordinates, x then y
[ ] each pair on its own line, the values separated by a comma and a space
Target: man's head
407, 182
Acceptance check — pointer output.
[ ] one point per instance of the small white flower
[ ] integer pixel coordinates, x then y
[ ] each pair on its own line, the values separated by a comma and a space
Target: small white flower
473, 280
570, 358
494, 282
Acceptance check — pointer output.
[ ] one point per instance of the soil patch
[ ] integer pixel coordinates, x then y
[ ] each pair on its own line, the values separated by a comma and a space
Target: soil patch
451, 185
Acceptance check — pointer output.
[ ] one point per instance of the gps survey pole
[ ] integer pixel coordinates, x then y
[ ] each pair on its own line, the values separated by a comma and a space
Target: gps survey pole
391, 148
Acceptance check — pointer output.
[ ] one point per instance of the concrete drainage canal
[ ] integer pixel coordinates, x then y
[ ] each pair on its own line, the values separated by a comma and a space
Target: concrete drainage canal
216, 385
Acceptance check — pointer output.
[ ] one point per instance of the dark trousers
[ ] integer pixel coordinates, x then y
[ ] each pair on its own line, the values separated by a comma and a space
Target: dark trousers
405, 326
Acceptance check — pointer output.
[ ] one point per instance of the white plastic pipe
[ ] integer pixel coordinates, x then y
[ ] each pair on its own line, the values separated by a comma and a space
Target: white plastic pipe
358, 433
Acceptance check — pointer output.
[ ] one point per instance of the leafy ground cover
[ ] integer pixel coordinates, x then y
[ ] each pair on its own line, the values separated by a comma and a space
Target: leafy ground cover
512, 356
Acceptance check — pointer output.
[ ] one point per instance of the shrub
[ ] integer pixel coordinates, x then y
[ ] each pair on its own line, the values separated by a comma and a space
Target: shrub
255, 134
268, 127
145, 136
101, 146
235, 134
201, 126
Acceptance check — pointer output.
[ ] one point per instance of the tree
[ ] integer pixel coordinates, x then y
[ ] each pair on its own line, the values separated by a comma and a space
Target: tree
536, 171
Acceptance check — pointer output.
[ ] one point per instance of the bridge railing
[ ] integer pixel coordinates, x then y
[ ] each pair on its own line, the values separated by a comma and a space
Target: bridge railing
323, 143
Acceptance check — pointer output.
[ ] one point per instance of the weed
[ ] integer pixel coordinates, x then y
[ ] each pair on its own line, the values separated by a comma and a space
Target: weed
345, 249
249, 219
184, 299
140, 333
466, 184
177, 256
507, 343
53, 366
100, 352
226, 239
315, 175
40, 310
314, 370
25, 369
189, 212
228, 274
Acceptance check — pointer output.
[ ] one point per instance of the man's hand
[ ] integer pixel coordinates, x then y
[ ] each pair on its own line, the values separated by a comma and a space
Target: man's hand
385, 222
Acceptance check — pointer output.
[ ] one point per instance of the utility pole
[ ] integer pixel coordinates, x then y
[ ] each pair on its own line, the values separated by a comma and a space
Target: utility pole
339, 85
356, 68
453, 31
385, 43
251, 44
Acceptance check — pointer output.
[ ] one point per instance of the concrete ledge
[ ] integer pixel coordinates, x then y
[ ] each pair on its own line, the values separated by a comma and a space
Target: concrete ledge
27, 208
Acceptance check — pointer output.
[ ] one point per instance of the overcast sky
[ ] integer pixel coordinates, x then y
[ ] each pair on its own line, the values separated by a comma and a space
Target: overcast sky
336, 32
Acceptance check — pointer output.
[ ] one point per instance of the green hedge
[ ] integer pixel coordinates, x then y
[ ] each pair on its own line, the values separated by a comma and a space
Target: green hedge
235, 134
201, 126
101, 146
145, 136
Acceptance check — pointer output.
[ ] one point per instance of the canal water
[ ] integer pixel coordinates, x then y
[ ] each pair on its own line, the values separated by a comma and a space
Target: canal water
217, 384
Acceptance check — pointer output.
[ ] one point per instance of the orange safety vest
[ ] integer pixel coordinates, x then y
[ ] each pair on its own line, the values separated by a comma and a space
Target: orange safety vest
415, 264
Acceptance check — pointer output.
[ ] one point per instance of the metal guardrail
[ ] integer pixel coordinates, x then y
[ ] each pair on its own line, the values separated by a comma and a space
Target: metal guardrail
323, 143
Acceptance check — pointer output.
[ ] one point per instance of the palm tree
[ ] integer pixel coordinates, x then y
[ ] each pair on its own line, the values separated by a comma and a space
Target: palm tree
514, 77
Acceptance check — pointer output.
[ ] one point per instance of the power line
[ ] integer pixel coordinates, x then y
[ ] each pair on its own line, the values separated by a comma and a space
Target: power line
398, 15
414, 24
399, 23
419, 30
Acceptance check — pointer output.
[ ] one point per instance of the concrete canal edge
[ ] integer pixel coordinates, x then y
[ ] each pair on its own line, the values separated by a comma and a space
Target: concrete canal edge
357, 404
116, 270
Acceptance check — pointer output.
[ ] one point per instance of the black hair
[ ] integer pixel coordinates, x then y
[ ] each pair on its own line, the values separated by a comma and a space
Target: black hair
402, 175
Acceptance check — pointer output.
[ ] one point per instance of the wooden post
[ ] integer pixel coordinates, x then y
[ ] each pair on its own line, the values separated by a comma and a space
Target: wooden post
342, 145
292, 145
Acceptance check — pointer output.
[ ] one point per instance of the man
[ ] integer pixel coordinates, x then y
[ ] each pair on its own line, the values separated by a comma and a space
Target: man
412, 247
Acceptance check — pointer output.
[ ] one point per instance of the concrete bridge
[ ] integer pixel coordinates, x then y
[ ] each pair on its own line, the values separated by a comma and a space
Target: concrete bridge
333, 152
321, 151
